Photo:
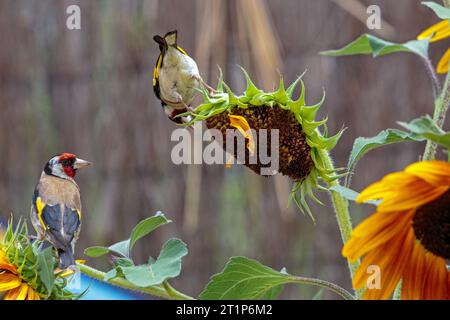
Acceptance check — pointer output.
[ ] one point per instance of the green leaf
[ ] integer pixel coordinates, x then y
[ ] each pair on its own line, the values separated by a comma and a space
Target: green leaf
166, 266
46, 262
243, 278
425, 127
96, 251
350, 194
272, 293
123, 248
441, 11
111, 274
146, 226
123, 262
368, 44
361, 146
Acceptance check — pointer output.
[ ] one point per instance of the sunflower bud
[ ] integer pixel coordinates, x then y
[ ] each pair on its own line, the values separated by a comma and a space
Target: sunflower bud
302, 143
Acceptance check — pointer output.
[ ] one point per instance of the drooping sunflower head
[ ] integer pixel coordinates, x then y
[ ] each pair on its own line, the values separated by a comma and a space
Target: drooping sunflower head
27, 272
302, 141
408, 237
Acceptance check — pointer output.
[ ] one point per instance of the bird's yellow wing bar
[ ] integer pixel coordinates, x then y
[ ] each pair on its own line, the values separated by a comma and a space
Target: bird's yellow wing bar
156, 70
40, 208
181, 50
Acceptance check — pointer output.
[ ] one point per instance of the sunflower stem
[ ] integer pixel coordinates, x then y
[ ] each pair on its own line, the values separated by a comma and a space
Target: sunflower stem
340, 205
441, 105
435, 84
325, 284
163, 291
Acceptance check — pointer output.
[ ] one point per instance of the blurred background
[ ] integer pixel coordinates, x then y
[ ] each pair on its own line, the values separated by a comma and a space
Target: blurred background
89, 92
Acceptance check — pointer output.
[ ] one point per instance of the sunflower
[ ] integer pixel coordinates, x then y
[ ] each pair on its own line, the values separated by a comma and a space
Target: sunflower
27, 271
13, 287
303, 141
437, 32
408, 237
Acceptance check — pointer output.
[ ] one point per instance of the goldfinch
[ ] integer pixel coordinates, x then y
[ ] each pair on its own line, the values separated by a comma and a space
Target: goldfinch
175, 77
56, 206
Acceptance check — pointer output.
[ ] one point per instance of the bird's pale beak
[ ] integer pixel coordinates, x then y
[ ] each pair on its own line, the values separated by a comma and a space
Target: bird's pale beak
80, 163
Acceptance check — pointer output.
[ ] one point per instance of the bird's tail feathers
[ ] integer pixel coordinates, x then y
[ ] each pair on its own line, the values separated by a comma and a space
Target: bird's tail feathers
66, 258
171, 38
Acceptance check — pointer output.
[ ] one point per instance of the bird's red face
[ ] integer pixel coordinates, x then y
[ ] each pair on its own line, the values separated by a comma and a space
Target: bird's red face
67, 161
65, 165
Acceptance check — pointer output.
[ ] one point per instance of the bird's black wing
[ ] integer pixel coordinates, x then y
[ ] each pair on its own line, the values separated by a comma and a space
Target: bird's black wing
61, 226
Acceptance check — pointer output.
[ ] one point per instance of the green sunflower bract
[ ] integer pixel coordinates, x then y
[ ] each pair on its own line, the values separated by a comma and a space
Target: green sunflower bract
303, 140
35, 266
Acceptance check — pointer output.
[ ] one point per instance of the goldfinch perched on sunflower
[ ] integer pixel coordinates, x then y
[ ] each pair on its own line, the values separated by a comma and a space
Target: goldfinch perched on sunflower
408, 237
56, 208
176, 77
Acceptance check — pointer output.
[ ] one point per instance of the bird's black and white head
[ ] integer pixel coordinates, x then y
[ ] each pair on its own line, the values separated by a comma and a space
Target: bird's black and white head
65, 165
169, 40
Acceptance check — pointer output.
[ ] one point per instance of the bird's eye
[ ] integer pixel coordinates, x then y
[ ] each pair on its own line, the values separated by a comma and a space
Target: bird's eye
65, 163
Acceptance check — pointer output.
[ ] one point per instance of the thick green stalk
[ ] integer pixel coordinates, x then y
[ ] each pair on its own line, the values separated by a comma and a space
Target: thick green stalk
163, 291
340, 205
441, 105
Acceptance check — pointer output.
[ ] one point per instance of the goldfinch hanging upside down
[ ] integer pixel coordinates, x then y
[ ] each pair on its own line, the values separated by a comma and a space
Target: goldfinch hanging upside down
175, 77
56, 207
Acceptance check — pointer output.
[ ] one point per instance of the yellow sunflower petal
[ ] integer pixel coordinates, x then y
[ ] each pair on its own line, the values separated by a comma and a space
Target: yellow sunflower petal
32, 295
9, 281
440, 30
436, 173
8, 267
374, 232
374, 257
443, 64
19, 293
387, 186
3, 259
401, 191
413, 276
435, 284
392, 259
414, 196
242, 125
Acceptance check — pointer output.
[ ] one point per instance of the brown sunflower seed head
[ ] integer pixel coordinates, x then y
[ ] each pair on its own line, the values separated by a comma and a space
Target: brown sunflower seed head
294, 153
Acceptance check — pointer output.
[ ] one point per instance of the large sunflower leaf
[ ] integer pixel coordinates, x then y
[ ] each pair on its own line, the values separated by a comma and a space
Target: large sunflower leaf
368, 44
362, 145
426, 128
245, 279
